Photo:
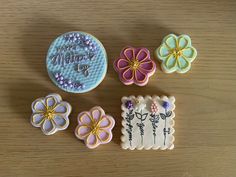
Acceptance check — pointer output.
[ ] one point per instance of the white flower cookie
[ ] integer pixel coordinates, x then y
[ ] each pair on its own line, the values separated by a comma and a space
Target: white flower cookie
50, 113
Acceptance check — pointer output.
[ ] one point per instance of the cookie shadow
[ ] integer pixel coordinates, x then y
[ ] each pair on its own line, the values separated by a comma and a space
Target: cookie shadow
110, 94
110, 100
22, 94
36, 39
143, 34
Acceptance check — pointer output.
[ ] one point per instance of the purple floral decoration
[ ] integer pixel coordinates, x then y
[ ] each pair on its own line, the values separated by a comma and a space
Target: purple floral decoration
129, 104
66, 83
167, 114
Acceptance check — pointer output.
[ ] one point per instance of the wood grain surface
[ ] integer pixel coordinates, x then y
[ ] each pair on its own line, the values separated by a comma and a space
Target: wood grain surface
205, 127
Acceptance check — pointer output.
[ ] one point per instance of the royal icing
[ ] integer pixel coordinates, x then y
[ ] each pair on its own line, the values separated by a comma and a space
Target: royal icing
76, 62
134, 66
50, 113
150, 127
176, 53
94, 127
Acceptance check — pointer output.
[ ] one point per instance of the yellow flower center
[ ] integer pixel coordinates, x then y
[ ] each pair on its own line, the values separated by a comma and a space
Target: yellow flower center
95, 128
137, 101
134, 64
49, 113
177, 52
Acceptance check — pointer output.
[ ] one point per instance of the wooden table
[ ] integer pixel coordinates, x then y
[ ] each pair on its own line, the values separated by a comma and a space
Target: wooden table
205, 143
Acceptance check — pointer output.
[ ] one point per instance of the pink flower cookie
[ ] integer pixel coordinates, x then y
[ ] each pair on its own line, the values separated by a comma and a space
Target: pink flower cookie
135, 66
94, 127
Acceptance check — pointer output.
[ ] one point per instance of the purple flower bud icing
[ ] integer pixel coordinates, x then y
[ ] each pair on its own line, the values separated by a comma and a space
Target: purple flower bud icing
166, 105
129, 104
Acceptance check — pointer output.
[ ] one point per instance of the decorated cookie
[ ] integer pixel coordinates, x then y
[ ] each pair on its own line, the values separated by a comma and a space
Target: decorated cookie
76, 62
50, 113
94, 127
149, 126
134, 66
176, 53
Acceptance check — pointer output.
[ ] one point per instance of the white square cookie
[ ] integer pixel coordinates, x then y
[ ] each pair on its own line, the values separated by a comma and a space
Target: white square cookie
147, 122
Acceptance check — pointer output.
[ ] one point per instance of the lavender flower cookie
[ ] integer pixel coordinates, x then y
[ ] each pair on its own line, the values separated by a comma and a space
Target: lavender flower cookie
147, 123
76, 62
50, 114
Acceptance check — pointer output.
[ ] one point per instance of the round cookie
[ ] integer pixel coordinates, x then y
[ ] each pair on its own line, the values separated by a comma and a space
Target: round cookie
76, 62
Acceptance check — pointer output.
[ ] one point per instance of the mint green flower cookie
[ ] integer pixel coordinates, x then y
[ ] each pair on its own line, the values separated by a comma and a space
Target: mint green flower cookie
176, 53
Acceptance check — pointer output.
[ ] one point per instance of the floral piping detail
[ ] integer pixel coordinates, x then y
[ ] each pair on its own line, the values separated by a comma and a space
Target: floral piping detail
94, 127
50, 113
135, 66
176, 53
129, 104
139, 104
154, 107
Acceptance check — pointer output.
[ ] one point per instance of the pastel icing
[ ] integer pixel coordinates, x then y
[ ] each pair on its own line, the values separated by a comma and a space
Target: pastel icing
135, 66
150, 127
176, 53
76, 62
50, 113
94, 127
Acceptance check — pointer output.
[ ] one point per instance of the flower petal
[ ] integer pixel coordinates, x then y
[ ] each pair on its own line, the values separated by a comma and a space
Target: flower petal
38, 105
50, 101
128, 53
97, 113
63, 108
184, 41
183, 65
171, 62
48, 127
128, 75
61, 121
92, 141
142, 55
163, 52
107, 122
189, 53
82, 131
122, 64
140, 77
37, 119
171, 41
85, 118
104, 136
147, 66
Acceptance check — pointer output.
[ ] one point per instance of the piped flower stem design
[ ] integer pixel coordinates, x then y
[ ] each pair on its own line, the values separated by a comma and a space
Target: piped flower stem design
154, 120
129, 117
164, 117
141, 117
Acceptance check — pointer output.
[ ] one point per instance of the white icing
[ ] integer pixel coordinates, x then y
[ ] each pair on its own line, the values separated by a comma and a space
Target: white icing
139, 104
148, 140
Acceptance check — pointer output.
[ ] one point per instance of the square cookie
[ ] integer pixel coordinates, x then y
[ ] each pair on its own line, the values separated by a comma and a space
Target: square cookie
147, 122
